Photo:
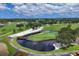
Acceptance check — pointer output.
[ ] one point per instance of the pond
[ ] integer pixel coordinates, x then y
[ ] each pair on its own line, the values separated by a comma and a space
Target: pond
44, 45
37, 45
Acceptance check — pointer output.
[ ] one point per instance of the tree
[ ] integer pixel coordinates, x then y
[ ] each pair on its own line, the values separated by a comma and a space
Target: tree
20, 26
66, 36
76, 32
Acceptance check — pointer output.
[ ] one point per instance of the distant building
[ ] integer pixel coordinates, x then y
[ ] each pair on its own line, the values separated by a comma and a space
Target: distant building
1, 25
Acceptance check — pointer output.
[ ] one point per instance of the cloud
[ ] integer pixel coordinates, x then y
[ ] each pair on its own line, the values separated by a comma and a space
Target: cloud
32, 9
3, 7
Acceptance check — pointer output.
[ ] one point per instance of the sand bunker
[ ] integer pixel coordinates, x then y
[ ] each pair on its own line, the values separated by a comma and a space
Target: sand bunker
3, 49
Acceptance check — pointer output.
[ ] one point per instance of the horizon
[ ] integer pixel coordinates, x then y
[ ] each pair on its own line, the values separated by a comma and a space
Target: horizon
38, 10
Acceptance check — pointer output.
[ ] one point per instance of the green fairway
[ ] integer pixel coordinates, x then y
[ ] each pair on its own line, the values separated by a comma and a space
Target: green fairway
50, 35
69, 49
43, 36
8, 30
4, 32
57, 27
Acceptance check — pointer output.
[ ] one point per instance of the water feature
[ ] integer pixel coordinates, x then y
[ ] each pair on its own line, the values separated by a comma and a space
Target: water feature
39, 46
45, 45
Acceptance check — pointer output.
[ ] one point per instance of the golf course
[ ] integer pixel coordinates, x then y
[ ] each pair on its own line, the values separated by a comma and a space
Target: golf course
49, 32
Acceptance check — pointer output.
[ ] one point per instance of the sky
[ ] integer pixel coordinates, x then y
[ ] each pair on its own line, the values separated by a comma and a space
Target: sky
39, 10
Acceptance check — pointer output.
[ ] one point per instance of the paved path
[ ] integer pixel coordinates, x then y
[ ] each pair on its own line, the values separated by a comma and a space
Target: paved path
30, 31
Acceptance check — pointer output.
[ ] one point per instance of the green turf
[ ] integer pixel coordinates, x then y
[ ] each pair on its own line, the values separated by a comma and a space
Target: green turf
6, 41
11, 50
51, 35
7, 30
57, 27
69, 49
43, 36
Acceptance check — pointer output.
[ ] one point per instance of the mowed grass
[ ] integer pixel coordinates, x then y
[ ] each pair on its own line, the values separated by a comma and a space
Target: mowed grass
43, 36
69, 49
47, 36
5, 31
37, 37
50, 35
57, 27
7, 28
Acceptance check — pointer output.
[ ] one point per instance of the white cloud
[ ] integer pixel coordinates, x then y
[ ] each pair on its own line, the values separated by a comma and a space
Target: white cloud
3, 7
46, 8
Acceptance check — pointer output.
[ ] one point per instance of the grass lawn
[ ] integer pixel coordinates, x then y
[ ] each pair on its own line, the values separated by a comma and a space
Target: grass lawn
11, 50
57, 27
4, 33
43, 36
5, 40
50, 35
69, 49
7, 30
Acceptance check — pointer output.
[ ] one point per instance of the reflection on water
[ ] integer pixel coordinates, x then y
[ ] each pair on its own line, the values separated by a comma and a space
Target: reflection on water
46, 45
39, 46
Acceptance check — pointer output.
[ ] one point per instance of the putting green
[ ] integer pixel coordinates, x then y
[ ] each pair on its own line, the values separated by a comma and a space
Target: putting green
43, 36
